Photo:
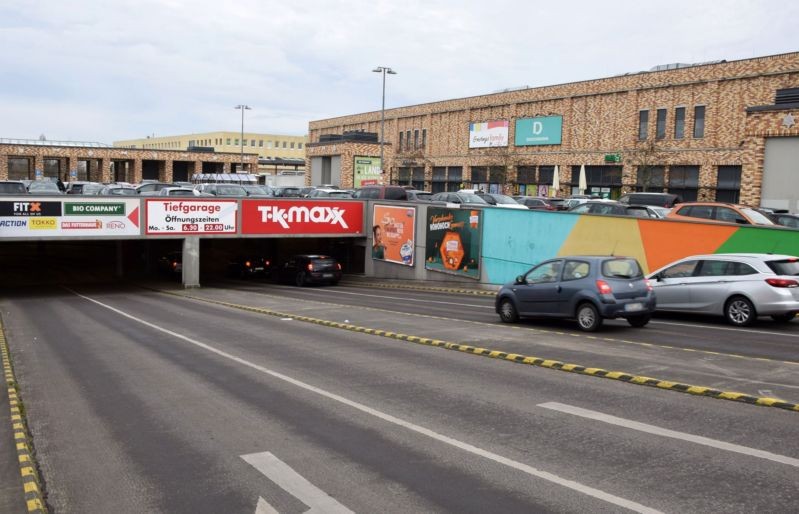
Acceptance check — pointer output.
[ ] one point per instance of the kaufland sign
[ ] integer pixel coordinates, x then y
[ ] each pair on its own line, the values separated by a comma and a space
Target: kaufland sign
301, 217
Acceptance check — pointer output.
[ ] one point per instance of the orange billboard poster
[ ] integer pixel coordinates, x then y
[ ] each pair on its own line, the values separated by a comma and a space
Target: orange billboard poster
394, 234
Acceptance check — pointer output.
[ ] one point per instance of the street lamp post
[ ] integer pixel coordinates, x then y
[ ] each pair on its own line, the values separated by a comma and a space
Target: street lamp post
383, 70
243, 108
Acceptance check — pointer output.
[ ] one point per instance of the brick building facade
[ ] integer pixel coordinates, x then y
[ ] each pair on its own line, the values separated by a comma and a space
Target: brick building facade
32, 159
700, 130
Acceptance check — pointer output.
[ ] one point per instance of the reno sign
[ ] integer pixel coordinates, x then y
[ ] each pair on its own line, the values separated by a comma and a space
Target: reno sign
302, 217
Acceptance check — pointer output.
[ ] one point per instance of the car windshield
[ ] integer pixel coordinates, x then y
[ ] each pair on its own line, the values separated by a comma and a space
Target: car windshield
231, 191
43, 186
339, 194
785, 267
181, 192
756, 217
467, 198
12, 188
121, 191
621, 268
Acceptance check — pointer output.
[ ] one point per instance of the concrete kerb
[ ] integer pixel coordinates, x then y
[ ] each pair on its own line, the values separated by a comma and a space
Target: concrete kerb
518, 358
28, 467
413, 286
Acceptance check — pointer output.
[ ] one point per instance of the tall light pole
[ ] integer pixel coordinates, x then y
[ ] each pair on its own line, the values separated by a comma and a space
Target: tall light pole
383, 70
243, 108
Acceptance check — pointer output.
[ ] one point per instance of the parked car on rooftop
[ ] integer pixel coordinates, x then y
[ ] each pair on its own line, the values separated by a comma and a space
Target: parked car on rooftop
118, 190
538, 203
415, 195
233, 190
738, 286
151, 188
716, 212
499, 200
44, 187
13, 187
588, 288
660, 199
460, 198
329, 193
616, 209
179, 191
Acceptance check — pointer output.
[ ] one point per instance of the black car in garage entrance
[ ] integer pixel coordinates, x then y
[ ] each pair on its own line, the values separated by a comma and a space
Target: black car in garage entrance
307, 269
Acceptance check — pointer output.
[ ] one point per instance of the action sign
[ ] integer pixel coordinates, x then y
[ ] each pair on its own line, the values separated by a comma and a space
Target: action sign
301, 217
200, 217
48, 217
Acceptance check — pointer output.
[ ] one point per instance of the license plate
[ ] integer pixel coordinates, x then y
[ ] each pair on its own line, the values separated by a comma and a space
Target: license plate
327, 275
634, 307
258, 269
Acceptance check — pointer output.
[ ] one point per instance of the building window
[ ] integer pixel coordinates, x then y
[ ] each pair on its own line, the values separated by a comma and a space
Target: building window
417, 178
699, 121
424, 138
407, 139
651, 179
399, 148
292, 144
454, 178
479, 176
228, 141
728, 185
679, 123
284, 144
415, 139
299, 146
252, 142
643, 124
660, 127
684, 181
260, 143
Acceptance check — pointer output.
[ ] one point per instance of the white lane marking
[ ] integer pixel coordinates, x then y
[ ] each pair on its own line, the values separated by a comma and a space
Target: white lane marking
643, 427
263, 507
728, 329
295, 484
550, 477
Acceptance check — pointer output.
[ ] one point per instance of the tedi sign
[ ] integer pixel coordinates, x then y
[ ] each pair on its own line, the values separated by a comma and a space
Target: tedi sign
302, 217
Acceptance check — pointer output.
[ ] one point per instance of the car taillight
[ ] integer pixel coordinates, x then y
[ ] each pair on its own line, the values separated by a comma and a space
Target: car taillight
549, 208
247, 263
648, 285
266, 262
309, 267
174, 264
338, 266
604, 287
782, 282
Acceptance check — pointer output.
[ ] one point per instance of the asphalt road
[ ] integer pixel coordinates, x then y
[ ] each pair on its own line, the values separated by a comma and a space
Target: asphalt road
144, 402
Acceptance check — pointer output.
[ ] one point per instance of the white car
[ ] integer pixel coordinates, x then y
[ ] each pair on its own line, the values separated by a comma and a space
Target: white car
179, 191
738, 286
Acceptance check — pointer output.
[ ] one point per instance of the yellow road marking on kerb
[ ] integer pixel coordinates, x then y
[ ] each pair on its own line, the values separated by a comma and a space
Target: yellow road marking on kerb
530, 360
33, 500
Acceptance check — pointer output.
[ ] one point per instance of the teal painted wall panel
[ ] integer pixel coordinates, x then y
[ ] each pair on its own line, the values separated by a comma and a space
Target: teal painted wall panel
512, 239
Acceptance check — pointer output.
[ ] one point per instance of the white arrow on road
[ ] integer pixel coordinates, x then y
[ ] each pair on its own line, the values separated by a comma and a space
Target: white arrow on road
292, 482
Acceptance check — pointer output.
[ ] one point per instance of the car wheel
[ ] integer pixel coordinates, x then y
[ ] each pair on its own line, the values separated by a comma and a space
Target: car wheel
588, 317
639, 321
739, 311
784, 318
507, 311
300, 280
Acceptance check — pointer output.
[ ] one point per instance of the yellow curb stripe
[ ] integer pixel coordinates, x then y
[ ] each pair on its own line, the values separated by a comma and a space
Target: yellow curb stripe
31, 486
529, 360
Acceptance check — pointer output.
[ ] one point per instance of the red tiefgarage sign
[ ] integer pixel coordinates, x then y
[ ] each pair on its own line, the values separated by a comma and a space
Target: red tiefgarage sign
301, 217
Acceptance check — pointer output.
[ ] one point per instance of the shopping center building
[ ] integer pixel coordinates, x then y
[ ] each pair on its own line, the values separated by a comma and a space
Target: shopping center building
725, 131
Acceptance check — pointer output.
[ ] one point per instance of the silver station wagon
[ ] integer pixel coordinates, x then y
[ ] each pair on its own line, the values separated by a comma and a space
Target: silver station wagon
740, 286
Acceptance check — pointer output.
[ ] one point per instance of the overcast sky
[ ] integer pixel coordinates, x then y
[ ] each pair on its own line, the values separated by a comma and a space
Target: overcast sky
105, 70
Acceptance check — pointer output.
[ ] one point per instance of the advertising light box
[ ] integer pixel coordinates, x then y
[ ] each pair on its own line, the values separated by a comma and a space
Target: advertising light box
48, 217
542, 130
308, 217
193, 217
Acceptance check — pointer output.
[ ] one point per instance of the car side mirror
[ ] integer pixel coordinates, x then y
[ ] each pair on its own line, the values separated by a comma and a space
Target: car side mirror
520, 279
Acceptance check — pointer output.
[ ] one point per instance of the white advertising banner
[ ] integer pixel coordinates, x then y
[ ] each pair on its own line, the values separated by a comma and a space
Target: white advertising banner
488, 134
200, 217
38, 217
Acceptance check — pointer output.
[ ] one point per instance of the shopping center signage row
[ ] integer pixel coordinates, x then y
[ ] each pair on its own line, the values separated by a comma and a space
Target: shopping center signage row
540, 130
44, 218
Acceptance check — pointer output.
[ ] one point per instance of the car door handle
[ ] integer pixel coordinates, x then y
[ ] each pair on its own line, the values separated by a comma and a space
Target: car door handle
559, 289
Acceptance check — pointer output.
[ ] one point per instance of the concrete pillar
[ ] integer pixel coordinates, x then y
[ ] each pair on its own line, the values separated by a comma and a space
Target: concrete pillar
198, 168
191, 262
137, 171
72, 168
226, 168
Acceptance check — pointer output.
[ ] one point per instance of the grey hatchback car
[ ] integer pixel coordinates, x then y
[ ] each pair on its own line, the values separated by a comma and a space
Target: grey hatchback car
739, 286
588, 288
